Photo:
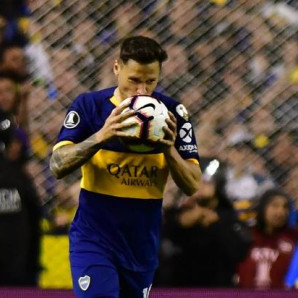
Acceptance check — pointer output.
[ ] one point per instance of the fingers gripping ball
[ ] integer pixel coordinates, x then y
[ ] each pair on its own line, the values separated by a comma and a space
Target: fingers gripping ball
150, 118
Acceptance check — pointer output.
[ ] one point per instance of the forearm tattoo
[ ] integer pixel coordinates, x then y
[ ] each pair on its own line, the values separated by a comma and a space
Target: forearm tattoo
68, 158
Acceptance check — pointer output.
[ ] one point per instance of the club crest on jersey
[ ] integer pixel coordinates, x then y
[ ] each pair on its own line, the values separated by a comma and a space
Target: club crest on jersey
185, 132
84, 282
72, 119
182, 112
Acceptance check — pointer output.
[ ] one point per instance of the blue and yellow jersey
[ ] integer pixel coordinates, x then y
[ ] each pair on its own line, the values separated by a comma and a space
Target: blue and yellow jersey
120, 203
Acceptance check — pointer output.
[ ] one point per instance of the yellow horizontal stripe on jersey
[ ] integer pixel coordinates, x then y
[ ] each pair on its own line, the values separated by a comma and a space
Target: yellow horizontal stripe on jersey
127, 175
195, 161
62, 143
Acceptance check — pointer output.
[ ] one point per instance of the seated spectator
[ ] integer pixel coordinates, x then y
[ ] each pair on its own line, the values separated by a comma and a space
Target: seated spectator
246, 179
176, 72
291, 185
19, 218
126, 18
39, 66
13, 59
11, 102
273, 244
8, 96
2, 30
14, 62
262, 134
184, 23
283, 154
15, 12
202, 239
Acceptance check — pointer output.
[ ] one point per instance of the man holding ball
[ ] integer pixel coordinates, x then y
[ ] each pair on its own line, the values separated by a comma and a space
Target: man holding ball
114, 236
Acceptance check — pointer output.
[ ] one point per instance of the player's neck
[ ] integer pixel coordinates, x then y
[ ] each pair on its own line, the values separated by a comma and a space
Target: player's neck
118, 95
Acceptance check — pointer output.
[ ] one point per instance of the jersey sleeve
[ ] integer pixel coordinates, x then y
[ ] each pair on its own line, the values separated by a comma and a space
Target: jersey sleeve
185, 142
76, 127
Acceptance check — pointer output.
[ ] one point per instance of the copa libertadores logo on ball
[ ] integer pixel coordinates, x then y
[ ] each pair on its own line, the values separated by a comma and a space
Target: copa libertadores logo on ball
72, 119
185, 132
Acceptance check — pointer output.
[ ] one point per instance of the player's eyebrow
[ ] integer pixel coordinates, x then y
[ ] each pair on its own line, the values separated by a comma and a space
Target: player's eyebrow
139, 80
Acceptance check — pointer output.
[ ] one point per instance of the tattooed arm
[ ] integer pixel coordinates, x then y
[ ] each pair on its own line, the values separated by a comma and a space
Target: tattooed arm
68, 158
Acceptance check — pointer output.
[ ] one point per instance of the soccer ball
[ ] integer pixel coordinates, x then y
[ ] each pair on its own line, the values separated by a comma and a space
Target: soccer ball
150, 119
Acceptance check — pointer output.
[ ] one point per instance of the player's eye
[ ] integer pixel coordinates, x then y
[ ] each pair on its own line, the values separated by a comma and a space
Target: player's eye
150, 81
134, 80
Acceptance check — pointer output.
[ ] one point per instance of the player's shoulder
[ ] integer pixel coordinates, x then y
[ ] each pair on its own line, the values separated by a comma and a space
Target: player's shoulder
167, 100
96, 96
93, 100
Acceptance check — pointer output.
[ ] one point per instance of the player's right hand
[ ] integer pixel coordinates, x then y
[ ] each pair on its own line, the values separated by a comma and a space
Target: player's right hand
114, 125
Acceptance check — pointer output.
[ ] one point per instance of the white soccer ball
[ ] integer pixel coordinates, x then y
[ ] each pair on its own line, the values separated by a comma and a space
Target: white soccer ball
150, 119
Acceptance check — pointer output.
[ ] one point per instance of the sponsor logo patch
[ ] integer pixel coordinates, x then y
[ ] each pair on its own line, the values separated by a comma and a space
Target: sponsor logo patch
72, 119
185, 132
190, 148
84, 282
182, 112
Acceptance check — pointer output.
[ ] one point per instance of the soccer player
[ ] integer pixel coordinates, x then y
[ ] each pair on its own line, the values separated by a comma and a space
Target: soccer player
114, 236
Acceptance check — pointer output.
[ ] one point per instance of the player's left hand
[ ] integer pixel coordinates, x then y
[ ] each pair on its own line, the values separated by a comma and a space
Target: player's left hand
170, 132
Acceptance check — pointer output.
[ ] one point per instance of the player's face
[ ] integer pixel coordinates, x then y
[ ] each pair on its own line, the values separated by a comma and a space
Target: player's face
135, 78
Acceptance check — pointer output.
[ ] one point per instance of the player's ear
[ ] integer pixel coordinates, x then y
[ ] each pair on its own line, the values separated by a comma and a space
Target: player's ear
116, 68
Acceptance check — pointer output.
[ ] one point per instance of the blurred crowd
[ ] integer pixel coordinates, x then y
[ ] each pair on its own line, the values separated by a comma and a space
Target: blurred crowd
232, 63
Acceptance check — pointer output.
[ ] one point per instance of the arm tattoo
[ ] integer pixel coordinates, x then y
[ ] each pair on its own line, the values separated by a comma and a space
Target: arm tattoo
68, 158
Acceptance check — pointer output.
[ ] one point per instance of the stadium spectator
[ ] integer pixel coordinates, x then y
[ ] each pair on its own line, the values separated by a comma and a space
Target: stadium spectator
273, 244
66, 77
12, 102
283, 154
56, 31
127, 18
203, 240
184, 24
2, 30
8, 94
16, 14
39, 66
105, 77
19, 218
207, 133
193, 100
13, 62
176, 71
86, 48
246, 179
204, 61
291, 186
289, 53
262, 134
12, 58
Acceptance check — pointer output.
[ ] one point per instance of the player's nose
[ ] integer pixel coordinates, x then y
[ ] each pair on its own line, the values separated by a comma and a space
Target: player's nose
142, 89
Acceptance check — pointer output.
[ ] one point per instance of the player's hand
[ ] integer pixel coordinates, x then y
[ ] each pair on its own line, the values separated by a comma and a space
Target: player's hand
170, 132
114, 124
